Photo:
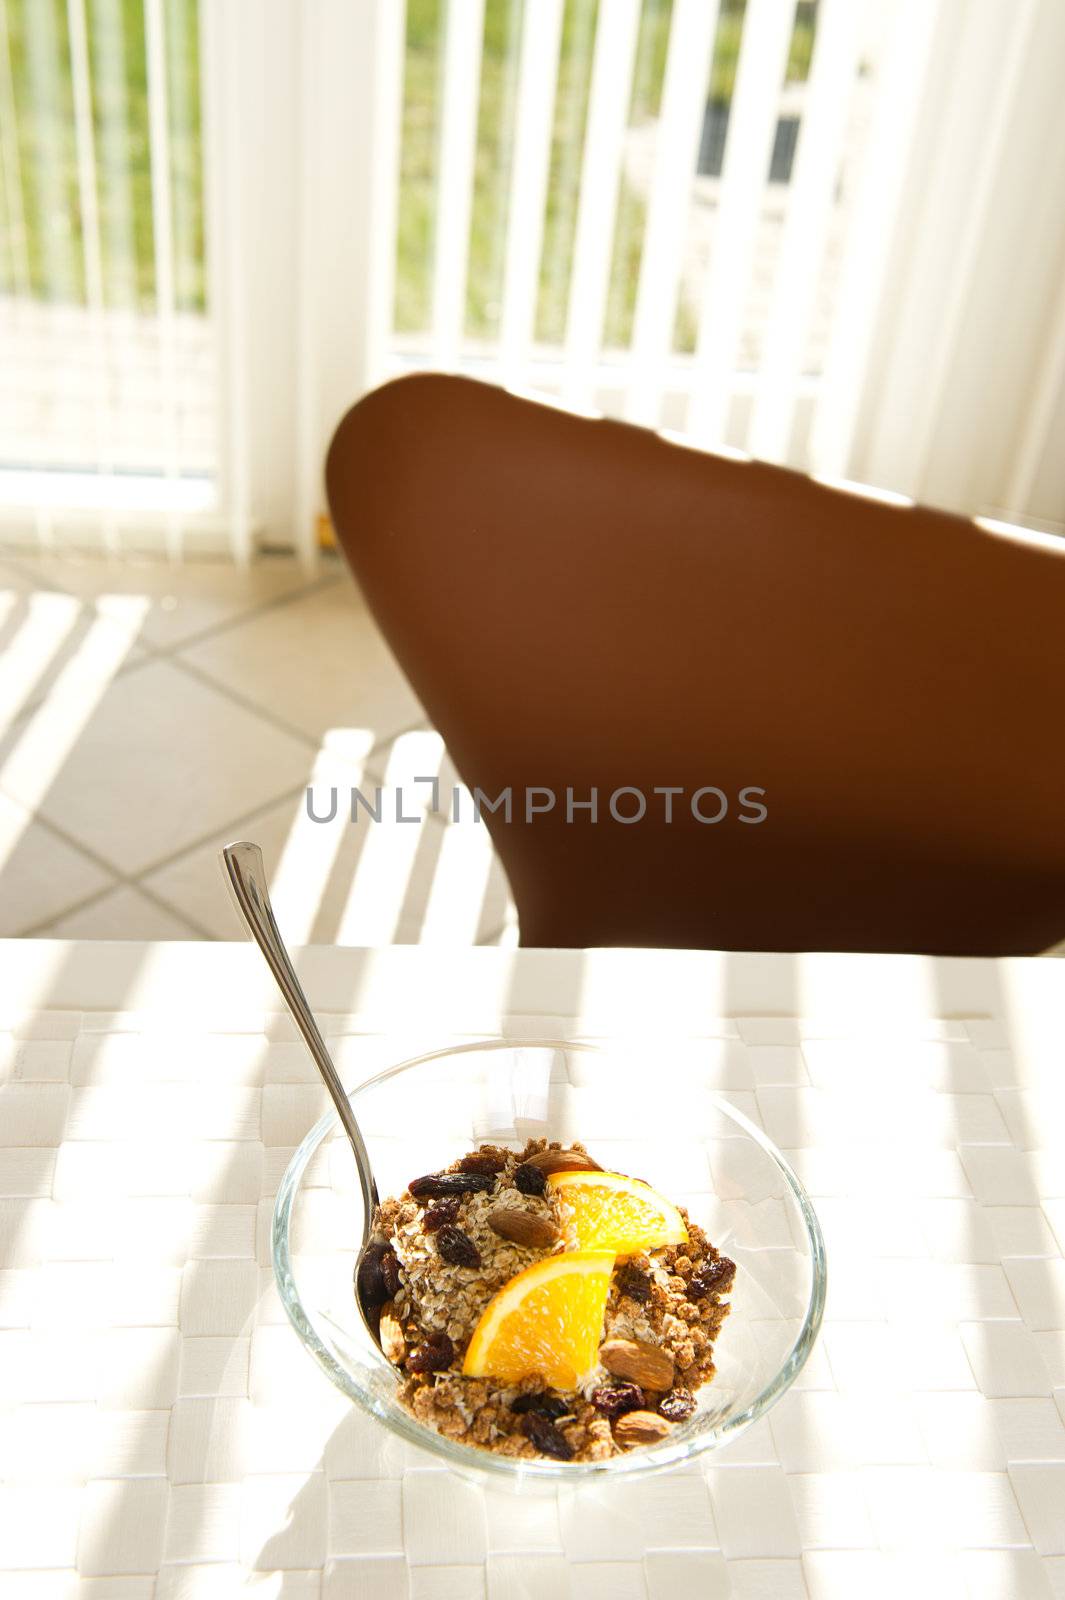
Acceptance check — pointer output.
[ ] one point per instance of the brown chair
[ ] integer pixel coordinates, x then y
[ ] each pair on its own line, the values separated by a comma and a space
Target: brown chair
581, 605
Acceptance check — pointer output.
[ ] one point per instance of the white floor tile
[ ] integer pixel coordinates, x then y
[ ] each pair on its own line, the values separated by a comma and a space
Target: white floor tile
184, 598
122, 913
318, 662
309, 863
47, 638
40, 874
358, 883
162, 760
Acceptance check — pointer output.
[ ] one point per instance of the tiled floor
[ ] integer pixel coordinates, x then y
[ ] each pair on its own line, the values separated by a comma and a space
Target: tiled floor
149, 713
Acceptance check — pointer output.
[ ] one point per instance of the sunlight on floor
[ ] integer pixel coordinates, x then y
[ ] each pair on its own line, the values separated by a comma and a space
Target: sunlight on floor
255, 688
46, 739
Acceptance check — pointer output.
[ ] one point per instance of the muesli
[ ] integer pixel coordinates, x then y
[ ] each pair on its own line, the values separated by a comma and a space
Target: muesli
524, 1316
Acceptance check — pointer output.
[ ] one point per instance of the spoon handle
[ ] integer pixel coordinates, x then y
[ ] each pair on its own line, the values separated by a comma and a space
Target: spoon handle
246, 873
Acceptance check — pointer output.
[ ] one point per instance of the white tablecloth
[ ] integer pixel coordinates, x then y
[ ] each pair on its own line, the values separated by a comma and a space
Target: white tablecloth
164, 1435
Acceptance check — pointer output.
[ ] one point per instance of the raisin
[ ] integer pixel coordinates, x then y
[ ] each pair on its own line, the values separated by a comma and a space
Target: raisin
433, 1355
440, 1212
713, 1277
457, 1247
541, 1432
529, 1179
369, 1276
483, 1161
390, 1273
614, 1399
551, 1406
676, 1405
634, 1283
437, 1185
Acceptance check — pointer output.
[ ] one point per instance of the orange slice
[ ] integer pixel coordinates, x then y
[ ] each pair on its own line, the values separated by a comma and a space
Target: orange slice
546, 1322
607, 1211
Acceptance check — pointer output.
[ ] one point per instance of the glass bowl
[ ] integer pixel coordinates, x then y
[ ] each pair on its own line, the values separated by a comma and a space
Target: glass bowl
648, 1112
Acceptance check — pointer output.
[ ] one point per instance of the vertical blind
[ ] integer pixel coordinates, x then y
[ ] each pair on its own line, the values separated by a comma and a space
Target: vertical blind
825, 232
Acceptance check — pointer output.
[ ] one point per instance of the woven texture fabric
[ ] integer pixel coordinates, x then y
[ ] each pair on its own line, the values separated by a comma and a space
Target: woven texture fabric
164, 1436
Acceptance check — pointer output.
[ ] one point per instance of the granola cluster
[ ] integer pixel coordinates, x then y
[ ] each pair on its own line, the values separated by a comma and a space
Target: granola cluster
451, 1242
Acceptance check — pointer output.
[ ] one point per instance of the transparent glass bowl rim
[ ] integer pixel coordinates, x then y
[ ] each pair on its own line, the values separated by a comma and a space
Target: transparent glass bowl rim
470, 1458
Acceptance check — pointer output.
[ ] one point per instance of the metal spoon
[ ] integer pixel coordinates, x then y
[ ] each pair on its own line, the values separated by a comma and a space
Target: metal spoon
245, 873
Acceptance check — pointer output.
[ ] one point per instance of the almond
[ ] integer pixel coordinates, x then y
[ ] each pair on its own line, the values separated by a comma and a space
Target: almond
646, 1364
640, 1427
548, 1161
527, 1228
393, 1344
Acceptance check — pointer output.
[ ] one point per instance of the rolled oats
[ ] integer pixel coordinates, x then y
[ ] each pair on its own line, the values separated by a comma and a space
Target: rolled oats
665, 1302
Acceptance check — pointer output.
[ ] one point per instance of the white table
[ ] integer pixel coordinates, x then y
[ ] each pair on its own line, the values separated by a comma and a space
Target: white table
165, 1436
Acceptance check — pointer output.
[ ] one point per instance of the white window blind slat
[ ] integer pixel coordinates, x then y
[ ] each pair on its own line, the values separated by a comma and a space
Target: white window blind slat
163, 249
767, 28
383, 181
1034, 435
458, 143
85, 145
879, 200
691, 35
612, 68
535, 102
990, 46
811, 195
14, 203
226, 267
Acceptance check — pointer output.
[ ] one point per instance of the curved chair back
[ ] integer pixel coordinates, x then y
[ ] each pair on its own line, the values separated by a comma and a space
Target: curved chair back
583, 606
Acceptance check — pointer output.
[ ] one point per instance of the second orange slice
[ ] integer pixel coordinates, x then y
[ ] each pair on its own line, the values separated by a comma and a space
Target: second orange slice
607, 1211
546, 1322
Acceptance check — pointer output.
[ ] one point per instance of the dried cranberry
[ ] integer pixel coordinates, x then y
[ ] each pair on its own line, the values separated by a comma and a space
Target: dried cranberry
713, 1277
440, 1212
634, 1283
369, 1276
529, 1179
457, 1247
545, 1405
483, 1161
676, 1405
390, 1273
614, 1399
433, 1355
436, 1185
541, 1432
